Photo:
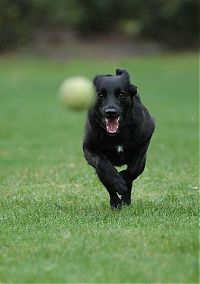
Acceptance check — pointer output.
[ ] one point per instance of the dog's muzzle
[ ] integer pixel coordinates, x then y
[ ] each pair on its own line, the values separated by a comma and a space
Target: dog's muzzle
111, 120
112, 125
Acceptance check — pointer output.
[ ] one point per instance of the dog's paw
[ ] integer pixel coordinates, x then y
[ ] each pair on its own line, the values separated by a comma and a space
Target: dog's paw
116, 204
126, 199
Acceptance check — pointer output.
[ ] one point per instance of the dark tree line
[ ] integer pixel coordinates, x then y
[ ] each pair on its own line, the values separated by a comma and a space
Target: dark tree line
173, 22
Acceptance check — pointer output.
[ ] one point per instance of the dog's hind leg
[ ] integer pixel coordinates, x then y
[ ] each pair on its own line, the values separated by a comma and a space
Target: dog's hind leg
126, 197
134, 169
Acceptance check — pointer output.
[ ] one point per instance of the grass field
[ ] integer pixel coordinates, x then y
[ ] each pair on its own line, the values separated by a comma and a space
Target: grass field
55, 220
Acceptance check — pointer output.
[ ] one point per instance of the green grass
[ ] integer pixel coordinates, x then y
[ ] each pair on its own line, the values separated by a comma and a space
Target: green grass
55, 220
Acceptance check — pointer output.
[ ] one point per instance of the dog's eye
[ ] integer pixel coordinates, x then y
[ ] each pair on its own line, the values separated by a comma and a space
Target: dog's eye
121, 96
100, 95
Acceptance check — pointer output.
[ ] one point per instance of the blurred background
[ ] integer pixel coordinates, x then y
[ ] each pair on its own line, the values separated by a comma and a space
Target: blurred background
129, 27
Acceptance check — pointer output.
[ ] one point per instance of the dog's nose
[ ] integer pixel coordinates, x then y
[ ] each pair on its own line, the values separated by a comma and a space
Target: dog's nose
111, 112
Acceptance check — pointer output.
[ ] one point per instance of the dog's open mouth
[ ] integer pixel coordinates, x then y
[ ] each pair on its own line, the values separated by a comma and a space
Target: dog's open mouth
112, 125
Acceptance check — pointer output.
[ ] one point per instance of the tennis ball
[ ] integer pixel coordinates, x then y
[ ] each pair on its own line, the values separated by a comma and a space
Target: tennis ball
77, 93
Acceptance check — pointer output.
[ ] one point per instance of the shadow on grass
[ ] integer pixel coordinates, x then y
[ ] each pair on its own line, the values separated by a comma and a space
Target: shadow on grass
167, 210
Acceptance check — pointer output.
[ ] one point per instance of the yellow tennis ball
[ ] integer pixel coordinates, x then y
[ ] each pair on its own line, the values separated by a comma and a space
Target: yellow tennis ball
77, 93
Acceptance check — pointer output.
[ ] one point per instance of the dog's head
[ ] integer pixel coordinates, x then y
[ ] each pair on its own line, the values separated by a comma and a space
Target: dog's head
114, 99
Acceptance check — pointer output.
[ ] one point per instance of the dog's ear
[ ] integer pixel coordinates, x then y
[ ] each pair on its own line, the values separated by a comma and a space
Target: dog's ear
118, 71
123, 73
132, 90
97, 79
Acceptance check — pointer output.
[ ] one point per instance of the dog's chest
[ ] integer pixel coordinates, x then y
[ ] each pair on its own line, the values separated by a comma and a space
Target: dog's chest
115, 151
119, 148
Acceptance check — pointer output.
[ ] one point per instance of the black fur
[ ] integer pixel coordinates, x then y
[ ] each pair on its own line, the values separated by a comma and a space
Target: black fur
117, 98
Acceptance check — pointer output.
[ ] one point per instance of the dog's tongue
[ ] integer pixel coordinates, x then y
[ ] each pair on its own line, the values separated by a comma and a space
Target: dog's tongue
112, 124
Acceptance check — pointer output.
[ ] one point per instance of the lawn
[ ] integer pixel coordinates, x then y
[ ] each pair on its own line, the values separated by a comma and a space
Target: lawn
55, 220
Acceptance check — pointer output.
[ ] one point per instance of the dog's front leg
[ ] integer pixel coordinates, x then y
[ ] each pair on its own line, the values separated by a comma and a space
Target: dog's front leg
108, 175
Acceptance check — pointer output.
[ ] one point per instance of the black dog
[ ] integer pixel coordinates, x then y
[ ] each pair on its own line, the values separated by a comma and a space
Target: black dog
118, 131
